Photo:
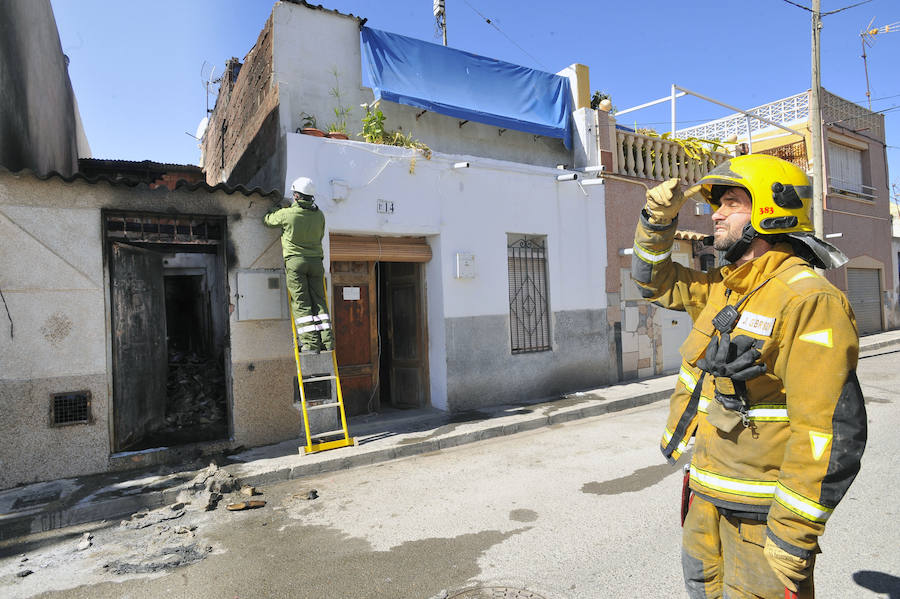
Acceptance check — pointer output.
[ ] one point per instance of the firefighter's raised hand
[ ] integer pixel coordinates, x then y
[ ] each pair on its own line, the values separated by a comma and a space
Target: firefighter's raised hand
664, 201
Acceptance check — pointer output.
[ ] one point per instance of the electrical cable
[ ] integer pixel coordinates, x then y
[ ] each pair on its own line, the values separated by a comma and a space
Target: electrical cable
377, 331
862, 116
512, 41
8, 315
830, 12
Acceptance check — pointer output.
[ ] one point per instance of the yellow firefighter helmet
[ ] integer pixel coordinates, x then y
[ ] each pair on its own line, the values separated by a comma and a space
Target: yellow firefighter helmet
780, 192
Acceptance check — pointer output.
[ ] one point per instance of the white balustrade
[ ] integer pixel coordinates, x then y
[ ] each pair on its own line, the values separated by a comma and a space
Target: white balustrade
659, 159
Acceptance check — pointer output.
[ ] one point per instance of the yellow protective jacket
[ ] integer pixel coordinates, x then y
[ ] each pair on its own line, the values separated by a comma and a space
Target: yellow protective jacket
807, 420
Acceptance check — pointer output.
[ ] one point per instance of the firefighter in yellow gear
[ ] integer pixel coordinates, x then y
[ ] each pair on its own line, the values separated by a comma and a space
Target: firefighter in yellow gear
767, 386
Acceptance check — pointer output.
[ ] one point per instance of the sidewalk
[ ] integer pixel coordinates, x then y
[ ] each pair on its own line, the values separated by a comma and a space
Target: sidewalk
380, 437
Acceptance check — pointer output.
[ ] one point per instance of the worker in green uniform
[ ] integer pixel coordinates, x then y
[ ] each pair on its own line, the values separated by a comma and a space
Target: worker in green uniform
302, 228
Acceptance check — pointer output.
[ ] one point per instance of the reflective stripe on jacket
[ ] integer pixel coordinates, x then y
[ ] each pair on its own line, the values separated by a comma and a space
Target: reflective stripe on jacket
807, 421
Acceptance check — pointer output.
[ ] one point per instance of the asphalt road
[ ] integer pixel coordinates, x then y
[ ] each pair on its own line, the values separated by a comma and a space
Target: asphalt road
582, 510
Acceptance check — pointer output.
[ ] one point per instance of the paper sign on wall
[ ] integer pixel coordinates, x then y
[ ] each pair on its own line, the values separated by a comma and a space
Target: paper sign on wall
351, 294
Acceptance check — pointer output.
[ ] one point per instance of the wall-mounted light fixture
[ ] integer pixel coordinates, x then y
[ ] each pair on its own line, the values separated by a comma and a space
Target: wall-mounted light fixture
833, 235
461, 165
567, 177
626, 251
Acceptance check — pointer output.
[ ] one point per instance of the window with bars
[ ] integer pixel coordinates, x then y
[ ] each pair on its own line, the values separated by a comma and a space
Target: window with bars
529, 312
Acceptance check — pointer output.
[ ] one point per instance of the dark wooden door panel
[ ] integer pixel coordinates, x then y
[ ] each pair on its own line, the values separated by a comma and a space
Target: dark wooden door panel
140, 362
355, 333
352, 324
406, 323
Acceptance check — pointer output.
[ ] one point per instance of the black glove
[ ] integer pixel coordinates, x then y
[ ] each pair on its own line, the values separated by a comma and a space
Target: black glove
732, 363
735, 359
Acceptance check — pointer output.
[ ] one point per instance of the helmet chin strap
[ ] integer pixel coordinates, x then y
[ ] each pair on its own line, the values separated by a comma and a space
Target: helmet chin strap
740, 247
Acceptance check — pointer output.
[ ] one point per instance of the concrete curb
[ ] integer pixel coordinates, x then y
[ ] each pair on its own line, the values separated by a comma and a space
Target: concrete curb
53, 516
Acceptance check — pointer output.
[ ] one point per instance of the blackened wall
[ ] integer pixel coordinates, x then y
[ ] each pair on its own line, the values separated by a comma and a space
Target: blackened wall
37, 116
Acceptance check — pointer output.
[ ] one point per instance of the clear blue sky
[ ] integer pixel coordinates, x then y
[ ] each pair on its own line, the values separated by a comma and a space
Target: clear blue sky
137, 67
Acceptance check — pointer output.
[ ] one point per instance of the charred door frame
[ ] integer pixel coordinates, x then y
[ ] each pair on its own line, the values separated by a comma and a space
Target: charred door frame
173, 232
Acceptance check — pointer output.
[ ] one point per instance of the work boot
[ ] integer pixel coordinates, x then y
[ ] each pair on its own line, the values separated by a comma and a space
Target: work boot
306, 350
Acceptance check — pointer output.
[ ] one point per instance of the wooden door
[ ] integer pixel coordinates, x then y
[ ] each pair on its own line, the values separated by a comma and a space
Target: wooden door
140, 361
355, 333
404, 315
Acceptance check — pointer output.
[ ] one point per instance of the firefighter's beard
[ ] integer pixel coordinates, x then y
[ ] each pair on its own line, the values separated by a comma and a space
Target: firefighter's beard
723, 242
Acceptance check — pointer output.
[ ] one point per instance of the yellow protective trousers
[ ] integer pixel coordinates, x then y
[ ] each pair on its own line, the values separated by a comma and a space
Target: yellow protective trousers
722, 557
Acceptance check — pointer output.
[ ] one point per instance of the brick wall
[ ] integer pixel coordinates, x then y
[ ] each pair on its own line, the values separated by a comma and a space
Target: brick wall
244, 105
170, 179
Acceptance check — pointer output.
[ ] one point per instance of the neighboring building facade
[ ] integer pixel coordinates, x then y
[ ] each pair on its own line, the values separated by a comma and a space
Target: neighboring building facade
40, 128
857, 195
461, 277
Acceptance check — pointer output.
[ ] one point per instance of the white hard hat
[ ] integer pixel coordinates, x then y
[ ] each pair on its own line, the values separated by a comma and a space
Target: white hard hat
303, 185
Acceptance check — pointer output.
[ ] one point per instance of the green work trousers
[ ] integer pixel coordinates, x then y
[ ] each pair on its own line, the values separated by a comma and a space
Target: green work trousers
722, 556
306, 284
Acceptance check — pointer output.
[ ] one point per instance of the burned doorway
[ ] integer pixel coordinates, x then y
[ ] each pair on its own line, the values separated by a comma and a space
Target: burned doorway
169, 329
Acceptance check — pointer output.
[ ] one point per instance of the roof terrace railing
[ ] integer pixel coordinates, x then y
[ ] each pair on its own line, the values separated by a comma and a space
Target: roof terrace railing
659, 159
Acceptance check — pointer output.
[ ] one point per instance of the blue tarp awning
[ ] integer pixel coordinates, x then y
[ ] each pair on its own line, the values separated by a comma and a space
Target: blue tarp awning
467, 86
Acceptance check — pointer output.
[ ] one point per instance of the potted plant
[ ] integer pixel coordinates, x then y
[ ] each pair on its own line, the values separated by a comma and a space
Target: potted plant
338, 129
375, 133
309, 126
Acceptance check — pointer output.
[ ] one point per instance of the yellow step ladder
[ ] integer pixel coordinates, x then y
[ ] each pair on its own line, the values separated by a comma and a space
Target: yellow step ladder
319, 407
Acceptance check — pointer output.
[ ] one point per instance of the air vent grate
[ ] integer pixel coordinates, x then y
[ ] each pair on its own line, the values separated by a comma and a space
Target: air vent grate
70, 408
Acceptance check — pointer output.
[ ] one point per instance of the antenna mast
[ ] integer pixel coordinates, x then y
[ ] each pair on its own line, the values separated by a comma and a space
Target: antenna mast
867, 38
440, 14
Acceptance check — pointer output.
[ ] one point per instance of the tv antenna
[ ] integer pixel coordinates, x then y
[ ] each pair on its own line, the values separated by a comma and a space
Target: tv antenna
439, 7
867, 37
209, 81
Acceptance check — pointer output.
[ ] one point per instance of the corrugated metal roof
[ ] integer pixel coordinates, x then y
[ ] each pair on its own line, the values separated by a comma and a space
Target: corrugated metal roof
112, 162
180, 185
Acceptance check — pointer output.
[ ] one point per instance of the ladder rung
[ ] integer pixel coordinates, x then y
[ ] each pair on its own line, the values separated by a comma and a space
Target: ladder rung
338, 431
313, 379
330, 404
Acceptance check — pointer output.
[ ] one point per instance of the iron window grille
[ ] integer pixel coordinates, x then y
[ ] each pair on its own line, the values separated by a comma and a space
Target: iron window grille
155, 228
529, 321
794, 153
70, 408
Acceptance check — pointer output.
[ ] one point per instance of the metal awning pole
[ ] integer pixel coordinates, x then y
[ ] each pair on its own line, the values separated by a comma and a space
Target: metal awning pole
673, 108
730, 107
653, 103
749, 137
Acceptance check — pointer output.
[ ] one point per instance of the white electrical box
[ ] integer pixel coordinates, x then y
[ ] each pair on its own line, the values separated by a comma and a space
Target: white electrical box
261, 295
339, 190
351, 294
465, 265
